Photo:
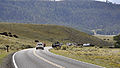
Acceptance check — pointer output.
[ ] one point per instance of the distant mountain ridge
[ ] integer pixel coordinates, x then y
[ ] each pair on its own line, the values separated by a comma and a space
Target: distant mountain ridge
82, 15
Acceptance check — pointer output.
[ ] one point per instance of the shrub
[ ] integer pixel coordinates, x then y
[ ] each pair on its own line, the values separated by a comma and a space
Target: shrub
117, 45
22, 46
25, 46
64, 47
57, 48
28, 46
71, 47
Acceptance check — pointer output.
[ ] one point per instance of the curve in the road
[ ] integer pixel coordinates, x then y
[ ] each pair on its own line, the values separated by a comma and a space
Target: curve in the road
31, 58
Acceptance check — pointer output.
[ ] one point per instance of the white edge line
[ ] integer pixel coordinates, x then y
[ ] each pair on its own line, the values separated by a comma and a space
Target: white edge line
13, 57
75, 59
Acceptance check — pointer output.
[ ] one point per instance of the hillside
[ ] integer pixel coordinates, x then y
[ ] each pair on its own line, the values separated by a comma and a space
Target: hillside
82, 15
49, 33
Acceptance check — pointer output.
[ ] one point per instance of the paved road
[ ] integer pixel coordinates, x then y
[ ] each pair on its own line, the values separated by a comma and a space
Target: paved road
32, 58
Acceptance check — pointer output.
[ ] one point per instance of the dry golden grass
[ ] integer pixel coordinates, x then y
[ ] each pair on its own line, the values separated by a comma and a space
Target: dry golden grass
4, 53
50, 33
108, 38
14, 43
109, 58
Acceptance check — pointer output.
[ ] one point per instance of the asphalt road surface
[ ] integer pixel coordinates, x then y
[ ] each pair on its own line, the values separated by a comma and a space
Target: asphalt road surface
32, 58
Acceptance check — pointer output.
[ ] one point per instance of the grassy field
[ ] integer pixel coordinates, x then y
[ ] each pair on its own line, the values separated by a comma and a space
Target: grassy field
108, 38
49, 33
28, 33
15, 45
109, 58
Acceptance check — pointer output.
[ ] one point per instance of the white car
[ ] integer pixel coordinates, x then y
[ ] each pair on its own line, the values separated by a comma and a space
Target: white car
88, 44
40, 45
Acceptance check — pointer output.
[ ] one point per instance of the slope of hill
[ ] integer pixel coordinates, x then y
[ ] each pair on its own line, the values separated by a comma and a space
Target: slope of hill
49, 33
83, 15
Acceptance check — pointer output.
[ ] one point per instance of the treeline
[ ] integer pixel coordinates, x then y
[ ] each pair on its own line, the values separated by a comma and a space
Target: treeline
117, 39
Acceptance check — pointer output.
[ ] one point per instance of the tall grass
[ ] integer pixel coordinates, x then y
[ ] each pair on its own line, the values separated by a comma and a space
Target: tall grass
106, 57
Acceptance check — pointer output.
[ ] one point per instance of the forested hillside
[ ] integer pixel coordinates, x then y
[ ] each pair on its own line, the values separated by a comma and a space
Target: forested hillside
83, 15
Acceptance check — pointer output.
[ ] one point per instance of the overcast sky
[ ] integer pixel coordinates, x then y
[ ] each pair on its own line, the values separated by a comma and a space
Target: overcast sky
114, 1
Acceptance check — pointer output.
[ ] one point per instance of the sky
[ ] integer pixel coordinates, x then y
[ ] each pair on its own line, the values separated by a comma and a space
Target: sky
114, 1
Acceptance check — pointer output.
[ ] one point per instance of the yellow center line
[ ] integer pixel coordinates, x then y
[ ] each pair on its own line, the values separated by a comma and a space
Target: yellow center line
59, 66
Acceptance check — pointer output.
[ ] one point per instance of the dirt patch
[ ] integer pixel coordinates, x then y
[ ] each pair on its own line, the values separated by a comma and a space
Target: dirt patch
7, 62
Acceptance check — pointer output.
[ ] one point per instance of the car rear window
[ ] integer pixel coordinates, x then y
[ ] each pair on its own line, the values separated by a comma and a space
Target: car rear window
39, 44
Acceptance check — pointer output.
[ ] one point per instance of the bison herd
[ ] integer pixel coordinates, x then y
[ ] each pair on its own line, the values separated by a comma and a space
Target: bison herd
9, 34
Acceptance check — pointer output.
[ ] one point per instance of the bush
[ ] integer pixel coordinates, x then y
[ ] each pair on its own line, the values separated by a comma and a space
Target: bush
25, 46
64, 47
71, 47
28, 46
57, 48
22, 46
117, 45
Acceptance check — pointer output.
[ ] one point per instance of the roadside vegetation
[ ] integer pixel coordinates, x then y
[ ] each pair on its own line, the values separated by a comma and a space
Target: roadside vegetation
14, 44
105, 57
108, 57
4, 54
